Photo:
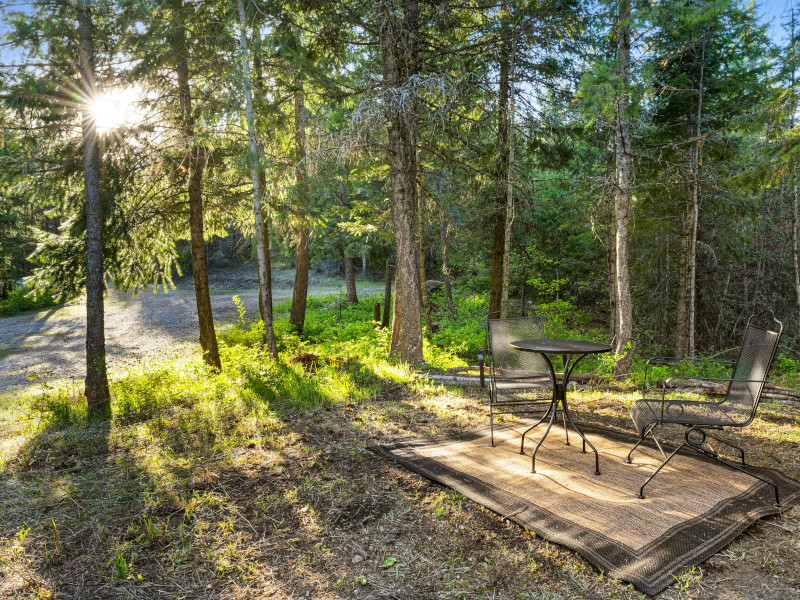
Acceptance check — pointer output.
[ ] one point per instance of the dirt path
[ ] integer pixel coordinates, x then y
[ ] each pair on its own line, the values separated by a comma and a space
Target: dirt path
50, 344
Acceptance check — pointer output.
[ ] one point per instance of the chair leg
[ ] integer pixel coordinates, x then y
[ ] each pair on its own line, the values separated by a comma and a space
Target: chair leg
566, 431
661, 466
741, 469
734, 446
491, 424
639, 443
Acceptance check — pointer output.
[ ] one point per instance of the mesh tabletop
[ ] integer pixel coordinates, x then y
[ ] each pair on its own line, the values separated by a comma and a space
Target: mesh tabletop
561, 346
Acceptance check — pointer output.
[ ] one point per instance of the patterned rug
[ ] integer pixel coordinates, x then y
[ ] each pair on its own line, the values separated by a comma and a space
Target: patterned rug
692, 509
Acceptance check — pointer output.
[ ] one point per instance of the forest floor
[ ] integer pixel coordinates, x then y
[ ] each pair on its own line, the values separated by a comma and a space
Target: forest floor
50, 344
141, 509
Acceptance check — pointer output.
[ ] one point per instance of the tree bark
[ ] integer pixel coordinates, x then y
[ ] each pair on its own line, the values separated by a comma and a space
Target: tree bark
501, 175
681, 327
208, 336
300, 293
694, 216
349, 261
387, 295
622, 200
423, 290
398, 41
265, 287
96, 389
444, 234
265, 303
611, 258
795, 261
793, 175
265, 294
350, 278
509, 212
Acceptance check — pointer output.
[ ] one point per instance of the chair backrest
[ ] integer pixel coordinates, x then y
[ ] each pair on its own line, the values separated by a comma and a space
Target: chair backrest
506, 361
758, 350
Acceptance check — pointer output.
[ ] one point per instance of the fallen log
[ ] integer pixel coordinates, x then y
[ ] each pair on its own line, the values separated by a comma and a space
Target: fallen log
584, 378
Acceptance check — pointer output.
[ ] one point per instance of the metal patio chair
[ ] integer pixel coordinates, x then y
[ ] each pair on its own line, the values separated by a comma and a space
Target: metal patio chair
516, 383
736, 409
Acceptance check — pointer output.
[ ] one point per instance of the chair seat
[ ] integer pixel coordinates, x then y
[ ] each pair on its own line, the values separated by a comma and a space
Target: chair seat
647, 411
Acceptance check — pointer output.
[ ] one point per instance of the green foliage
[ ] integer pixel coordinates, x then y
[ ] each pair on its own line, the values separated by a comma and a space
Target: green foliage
21, 299
463, 332
120, 566
786, 366
662, 369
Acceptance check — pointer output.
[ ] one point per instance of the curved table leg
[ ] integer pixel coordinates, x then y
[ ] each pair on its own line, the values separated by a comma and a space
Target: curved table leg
541, 441
567, 374
535, 425
583, 437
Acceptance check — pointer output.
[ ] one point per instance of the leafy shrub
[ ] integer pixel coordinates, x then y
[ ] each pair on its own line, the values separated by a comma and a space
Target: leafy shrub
21, 299
786, 366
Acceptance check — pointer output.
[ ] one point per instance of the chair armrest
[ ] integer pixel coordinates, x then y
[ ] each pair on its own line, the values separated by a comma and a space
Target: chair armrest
481, 365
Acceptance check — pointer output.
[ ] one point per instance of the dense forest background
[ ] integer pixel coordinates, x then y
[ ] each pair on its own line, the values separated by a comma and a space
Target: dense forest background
542, 151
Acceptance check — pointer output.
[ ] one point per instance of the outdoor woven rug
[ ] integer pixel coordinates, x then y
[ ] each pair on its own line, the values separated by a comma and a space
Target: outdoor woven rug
694, 507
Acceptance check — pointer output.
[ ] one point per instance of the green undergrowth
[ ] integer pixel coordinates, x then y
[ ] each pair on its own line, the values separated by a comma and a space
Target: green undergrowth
20, 300
175, 409
340, 332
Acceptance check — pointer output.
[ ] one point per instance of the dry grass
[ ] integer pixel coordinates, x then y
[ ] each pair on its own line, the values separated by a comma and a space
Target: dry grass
286, 503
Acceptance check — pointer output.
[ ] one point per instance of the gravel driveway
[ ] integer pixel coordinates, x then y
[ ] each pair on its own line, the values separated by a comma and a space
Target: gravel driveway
50, 344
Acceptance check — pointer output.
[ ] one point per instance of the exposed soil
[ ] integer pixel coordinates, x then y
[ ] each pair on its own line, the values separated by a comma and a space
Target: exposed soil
50, 344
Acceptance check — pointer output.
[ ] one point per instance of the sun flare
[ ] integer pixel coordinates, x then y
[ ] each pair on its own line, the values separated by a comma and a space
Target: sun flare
116, 108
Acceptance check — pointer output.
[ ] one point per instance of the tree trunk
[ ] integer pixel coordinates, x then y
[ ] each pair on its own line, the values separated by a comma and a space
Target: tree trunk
501, 176
509, 212
96, 390
298, 315
622, 201
208, 336
349, 261
681, 325
398, 61
350, 278
444, 231
611, 258
265, 303
265, 288
793, 173
265, 306
694, 216
795, 262
387, 295
423, 290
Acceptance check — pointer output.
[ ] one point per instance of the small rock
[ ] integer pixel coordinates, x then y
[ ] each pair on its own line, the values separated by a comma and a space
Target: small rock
433, 285
357, 559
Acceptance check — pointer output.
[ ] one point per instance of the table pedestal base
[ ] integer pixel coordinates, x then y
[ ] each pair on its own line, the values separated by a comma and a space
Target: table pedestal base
559, 398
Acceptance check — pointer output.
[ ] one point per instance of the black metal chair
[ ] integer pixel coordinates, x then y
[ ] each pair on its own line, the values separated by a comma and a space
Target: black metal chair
516, 379
736, 409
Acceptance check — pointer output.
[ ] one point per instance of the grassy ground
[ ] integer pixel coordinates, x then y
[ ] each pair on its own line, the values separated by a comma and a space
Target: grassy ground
257, 483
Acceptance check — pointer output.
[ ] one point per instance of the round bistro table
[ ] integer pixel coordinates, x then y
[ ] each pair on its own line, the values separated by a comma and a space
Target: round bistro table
571, 352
